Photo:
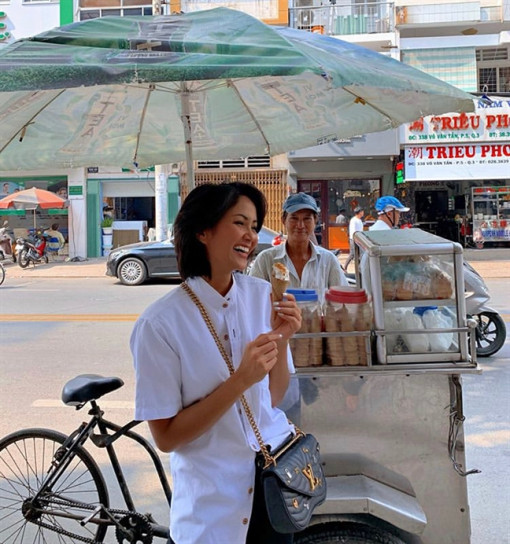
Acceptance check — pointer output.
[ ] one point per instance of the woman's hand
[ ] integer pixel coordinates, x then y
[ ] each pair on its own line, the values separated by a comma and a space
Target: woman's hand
286, 316
259, 358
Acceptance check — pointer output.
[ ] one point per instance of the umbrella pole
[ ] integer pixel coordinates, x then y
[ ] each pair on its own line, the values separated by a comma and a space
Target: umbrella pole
186, 123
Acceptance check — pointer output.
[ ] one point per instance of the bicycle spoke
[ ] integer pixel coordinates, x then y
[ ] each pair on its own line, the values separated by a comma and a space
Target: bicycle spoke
26, 462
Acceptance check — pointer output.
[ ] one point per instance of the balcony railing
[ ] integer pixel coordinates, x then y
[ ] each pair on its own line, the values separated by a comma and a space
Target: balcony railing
381, 17
342, 19
416, 14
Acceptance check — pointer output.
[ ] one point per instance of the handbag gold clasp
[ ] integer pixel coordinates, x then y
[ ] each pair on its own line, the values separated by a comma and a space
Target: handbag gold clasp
310, 476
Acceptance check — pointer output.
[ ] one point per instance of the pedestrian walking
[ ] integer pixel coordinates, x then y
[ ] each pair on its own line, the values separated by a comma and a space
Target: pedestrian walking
355, 225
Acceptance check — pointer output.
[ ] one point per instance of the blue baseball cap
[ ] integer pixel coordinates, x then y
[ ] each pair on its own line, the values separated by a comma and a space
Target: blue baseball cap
389, 203
300, 201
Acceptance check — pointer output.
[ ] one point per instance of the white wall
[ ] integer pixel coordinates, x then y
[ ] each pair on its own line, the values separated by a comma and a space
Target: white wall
24, 20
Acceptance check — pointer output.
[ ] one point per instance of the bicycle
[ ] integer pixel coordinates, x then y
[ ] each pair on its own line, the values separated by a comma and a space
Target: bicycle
2, 273
51, 488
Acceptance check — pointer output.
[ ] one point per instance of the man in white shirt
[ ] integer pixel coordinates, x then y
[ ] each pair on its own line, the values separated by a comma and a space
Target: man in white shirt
341, 218
388, 210
355, 225
310, 266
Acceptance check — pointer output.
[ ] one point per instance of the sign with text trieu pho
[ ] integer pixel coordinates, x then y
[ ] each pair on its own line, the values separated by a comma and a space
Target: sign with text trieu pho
457, 162
488, 123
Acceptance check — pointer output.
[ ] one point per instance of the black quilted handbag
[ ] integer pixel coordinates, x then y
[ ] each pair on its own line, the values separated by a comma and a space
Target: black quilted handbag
294, 483
292, 477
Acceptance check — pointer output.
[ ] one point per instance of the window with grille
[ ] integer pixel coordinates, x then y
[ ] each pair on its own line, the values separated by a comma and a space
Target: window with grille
493, 70
259, 161
92, 9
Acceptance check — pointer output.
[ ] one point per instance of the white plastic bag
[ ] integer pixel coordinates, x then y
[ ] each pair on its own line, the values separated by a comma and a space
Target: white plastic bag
435, 319
416, 343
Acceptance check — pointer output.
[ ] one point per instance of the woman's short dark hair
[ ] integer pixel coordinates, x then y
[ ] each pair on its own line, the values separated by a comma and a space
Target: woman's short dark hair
203, 208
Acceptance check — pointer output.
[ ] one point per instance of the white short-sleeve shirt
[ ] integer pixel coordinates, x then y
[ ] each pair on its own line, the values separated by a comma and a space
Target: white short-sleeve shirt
321, 271
177, 363
380, 225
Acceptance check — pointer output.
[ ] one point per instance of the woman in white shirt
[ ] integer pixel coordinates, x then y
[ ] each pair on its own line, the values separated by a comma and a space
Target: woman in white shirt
183, 386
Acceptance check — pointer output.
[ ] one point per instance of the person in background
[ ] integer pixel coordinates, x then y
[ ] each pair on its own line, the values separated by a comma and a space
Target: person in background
388, 210
310, 266
355, 225
341, 218
58, 241
183, 385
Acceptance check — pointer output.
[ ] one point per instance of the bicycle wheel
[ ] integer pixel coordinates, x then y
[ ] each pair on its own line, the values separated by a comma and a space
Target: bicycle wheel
25, 459
2, 273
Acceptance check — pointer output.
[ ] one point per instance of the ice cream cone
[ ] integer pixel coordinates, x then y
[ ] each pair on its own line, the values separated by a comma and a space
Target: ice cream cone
279, 280
279, 287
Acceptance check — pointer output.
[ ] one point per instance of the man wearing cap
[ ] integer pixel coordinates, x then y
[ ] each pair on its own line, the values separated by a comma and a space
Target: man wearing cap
310, 266
355, 225
388, 210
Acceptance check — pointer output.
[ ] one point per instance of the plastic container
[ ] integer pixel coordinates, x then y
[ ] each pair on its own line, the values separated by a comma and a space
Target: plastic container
347, 309
307, 351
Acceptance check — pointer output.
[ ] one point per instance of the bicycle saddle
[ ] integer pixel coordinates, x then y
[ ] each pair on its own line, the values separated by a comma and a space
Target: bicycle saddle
87, 387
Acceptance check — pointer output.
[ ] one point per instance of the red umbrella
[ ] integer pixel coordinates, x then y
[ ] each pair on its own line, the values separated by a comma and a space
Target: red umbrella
30, 199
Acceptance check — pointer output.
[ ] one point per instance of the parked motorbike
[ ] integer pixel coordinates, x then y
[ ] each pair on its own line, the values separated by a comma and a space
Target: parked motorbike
6, 244
32, 251
491, 328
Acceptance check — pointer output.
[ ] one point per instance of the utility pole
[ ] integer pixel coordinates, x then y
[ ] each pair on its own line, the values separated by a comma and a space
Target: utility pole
161, 172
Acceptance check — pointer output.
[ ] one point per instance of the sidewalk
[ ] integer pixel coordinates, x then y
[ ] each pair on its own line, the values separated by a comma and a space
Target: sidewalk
490, 263
89, 268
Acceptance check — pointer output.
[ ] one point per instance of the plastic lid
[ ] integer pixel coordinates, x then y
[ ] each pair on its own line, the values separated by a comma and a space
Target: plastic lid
347, 295
420, 310
304, 295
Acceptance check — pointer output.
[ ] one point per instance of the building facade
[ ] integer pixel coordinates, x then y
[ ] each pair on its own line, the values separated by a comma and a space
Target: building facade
464, 43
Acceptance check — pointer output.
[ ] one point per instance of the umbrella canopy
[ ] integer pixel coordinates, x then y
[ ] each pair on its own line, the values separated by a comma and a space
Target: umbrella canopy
124, 91
32, 198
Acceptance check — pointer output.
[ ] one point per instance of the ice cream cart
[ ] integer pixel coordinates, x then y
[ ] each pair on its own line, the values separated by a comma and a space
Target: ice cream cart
390, 425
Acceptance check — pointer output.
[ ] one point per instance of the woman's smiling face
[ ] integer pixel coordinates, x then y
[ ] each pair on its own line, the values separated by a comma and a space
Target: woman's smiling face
230, 242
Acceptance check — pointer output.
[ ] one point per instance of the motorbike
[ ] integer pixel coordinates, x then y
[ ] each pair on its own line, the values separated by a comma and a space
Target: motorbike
6, 244
32, 251
490, 327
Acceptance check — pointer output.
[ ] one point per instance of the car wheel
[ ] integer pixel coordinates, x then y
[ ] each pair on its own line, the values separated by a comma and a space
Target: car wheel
132, 271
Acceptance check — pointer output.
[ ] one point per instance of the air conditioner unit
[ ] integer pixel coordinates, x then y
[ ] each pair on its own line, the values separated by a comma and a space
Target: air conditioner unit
306, 17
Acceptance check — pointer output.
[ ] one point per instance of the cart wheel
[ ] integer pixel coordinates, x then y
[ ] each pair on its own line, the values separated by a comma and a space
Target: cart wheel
345, 533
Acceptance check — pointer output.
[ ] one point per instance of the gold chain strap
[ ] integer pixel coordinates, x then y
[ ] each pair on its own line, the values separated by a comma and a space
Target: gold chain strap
263, 448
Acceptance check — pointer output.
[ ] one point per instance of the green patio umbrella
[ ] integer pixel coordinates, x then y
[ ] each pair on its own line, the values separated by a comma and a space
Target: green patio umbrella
215, 84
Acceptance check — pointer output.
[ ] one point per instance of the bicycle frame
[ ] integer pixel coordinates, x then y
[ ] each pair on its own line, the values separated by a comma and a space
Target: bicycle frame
64, 455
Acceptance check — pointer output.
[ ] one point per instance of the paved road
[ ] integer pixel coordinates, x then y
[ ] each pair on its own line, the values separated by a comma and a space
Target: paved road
69, 326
